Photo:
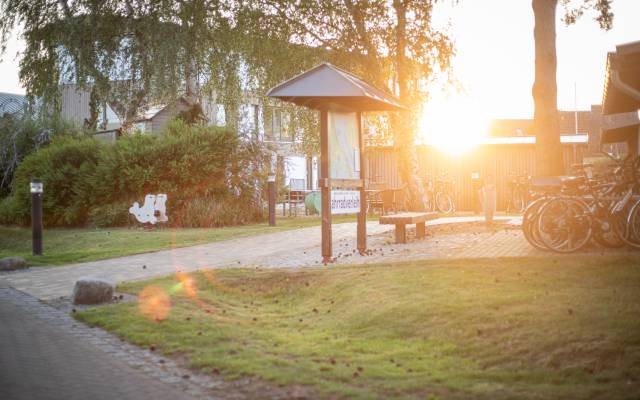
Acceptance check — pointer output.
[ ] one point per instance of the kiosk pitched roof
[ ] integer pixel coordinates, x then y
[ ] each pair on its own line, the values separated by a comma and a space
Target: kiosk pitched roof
326, 85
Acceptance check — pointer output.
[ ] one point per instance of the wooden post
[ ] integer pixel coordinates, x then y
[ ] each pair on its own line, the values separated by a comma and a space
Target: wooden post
326, 188
36, 217
420, 230
401, 233
362, 215
272, 199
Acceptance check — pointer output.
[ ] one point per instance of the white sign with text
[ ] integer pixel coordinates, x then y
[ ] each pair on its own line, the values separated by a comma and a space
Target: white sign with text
345, 201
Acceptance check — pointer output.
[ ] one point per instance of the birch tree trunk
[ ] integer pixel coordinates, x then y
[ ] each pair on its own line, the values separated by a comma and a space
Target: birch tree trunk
545, 119
403, 131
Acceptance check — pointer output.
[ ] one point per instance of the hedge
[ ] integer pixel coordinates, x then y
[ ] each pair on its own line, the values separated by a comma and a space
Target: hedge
210, 175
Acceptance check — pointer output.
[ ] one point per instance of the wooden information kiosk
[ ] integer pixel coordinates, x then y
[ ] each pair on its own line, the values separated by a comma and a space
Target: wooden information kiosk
341, 97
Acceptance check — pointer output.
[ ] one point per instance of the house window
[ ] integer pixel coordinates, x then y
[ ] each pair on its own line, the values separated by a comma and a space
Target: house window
277, 125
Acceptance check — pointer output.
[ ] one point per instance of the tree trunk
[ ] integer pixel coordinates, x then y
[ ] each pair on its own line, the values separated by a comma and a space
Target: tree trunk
404, 137
545, 119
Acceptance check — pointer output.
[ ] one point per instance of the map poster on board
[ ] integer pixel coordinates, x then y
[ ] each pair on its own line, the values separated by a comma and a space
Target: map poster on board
345, 201
344, 149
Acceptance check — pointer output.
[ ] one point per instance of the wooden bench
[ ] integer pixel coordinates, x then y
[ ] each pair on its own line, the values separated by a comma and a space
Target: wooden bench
401, 220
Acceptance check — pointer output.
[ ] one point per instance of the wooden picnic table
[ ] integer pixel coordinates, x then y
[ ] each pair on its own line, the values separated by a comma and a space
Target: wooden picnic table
401, 220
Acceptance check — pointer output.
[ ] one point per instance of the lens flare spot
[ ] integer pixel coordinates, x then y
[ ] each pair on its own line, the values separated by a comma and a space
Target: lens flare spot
187, 284
154, 303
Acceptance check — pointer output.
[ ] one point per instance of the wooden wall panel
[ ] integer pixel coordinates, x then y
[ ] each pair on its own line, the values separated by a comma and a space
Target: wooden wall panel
497, 164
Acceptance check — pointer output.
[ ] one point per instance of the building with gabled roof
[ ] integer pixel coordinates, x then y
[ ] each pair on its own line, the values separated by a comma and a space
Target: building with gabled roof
12, 104
621, 97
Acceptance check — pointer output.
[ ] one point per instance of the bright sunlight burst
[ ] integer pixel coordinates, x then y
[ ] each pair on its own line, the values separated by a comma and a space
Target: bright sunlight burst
453, 123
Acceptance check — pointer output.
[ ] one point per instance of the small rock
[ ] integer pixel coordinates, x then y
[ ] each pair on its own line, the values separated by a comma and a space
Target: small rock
12, 263
91, 291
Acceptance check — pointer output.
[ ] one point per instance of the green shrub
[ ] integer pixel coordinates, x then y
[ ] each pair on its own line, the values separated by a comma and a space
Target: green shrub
22, 134
109, 215
62, 167
211, 178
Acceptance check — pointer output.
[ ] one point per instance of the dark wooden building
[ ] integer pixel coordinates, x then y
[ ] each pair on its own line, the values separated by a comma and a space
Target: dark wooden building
497, 163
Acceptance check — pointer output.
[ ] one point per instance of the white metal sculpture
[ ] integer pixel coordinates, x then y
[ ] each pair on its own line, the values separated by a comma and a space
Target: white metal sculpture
153, 210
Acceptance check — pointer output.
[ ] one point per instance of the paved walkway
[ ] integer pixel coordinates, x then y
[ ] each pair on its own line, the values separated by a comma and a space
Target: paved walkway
295, 248
39, 359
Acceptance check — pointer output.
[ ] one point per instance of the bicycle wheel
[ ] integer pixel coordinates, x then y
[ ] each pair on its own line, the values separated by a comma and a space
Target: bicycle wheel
519, 202
627, 224
605, 234
428, 203
565, 224
529, 226
444, 202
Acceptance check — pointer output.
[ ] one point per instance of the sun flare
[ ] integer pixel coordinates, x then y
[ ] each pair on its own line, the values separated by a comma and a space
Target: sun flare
454, 124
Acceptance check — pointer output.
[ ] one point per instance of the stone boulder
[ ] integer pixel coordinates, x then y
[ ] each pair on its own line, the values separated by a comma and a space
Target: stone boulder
92, 291
11, 263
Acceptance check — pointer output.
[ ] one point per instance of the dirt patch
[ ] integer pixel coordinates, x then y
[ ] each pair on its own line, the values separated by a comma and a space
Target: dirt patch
65, 304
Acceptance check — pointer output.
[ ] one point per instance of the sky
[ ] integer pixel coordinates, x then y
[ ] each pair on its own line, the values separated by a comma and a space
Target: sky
495, 60
495, 56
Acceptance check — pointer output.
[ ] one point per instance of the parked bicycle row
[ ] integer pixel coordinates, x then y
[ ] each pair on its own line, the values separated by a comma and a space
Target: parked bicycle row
601, 206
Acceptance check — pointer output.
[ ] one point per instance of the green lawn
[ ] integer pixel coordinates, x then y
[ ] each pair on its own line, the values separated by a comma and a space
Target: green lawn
539, 328
64, 246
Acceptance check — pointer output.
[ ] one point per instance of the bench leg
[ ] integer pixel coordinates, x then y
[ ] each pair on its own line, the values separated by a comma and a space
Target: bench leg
401, 233
420, 230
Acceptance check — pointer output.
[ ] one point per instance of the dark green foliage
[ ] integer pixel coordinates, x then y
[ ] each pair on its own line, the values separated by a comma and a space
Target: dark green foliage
62, 167
193, 115
210, 176
21, 134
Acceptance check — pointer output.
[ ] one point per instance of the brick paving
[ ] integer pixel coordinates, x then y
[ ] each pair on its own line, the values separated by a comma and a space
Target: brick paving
295, 248
45, 354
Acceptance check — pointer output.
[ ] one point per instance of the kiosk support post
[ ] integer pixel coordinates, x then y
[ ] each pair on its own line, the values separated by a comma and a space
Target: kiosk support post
326, 187
362, 215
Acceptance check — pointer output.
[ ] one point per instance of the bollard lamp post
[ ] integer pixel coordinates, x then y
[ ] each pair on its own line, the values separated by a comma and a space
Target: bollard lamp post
36, 217
271, 183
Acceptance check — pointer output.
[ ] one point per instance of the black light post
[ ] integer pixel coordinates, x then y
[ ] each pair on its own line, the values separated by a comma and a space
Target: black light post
36, 217
272, 199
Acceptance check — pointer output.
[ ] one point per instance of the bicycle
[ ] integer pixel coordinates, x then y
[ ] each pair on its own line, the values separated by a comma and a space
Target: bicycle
519, 193
586, 208
440, 195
